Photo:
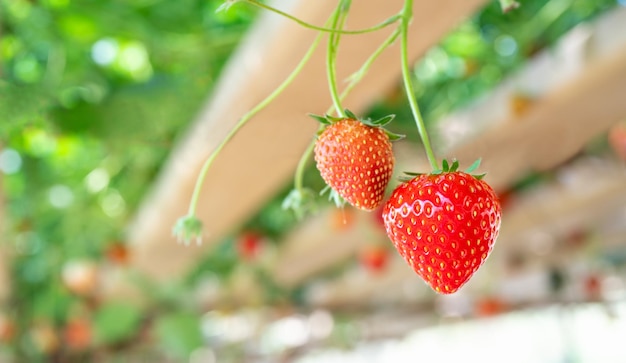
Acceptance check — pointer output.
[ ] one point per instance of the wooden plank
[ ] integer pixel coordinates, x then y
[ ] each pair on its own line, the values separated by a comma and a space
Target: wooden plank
261, 159
561, 122
584, 196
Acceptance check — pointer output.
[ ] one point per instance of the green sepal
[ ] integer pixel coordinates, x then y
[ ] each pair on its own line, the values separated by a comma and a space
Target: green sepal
446, 167
321, 119
301, 201
393, 136
188, 228
334, 197
326, 119
473, 167
383, 120
410, 173
455, 166
408, 176
350, 114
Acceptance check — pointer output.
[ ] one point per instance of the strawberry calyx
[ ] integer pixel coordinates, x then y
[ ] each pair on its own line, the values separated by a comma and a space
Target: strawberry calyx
446, 167
381, 122
188, 228
301, 201
334, 196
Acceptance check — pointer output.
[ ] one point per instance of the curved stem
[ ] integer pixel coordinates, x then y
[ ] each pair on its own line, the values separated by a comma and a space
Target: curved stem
338, 19
298, 183
407, 14
207, 164
358, 75
376, 27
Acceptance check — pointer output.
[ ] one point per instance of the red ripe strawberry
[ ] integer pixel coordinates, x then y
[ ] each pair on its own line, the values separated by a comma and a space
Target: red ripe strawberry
355, 159
118, 253
249, 245
374, 258
617, 139
444, 225
78, 334
490, 306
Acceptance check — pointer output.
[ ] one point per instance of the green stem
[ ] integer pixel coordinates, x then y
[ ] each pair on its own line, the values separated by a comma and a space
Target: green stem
358, 75
407, 15
298, 179
338, 19
207, 164
354, 80
382, 25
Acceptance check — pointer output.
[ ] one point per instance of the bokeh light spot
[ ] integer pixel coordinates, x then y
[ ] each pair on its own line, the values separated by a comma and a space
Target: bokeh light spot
97, 180
10, 161
104, 51
60, 196
113, 204
505, 46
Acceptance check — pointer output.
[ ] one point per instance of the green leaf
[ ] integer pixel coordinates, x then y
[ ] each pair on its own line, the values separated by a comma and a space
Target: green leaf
383, 121
455, 166
350, 114
321, 119
301, 202
445, 165
116, 322
334, 197
332, 119
179, 333
473, 167
393, 136
188, 228
410, 173
408, 176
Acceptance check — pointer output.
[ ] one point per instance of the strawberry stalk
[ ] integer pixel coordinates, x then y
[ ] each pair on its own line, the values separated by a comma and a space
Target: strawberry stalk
303, 23
189, 227
338, 20
406, 16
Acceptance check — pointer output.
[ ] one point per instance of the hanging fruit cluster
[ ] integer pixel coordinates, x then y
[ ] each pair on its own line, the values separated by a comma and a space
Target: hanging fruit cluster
444, 222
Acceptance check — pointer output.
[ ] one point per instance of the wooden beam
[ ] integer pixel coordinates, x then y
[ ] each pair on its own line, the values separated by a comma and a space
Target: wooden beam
587, 194
261, 159
585, 101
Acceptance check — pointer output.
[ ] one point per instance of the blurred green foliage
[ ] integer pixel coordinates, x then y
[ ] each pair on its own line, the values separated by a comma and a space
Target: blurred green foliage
93, 94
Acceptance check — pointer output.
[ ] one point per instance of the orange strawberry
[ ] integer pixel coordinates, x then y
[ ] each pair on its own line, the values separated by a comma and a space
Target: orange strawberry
355, 159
